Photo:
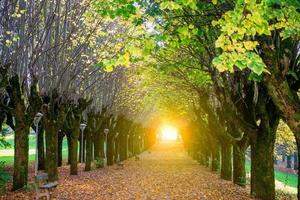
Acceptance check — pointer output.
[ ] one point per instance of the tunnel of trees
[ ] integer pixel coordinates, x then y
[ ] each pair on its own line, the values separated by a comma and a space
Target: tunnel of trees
227, 72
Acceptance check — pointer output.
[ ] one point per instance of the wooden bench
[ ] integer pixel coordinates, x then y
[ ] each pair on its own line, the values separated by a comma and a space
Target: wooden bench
42, 187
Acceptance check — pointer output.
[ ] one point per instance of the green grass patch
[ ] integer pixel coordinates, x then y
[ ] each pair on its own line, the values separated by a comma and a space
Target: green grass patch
286, 178
9, 160
10, 139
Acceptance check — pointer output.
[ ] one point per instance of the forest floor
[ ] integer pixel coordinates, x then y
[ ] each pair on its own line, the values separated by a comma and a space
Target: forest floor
163, 172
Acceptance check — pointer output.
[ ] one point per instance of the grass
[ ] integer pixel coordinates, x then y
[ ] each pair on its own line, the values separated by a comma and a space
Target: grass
9, 159
286, 178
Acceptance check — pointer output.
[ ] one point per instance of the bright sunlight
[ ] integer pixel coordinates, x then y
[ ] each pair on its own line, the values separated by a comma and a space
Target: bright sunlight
168, 133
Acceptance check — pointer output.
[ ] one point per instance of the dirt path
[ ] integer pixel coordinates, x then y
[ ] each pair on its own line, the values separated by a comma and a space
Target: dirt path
164, 172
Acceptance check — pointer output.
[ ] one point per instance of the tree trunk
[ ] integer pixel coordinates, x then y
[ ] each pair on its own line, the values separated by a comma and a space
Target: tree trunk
262, 165
110, 151
289, 161
206, 158
21, 155
239, 172
51, 151
226, 161
295, 160
123, 147
283, 156
69, 149
97, 145
101, 146
41, 149
73, 155
215, 159
89, 150
130, 145
59, 150
117, 149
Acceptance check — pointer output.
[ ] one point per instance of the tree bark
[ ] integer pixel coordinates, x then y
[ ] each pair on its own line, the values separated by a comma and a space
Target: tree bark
21, 147
69, 149
262, 169
295, 160
73, 154
59, 150
89, 150
51, 151
110, 151
215, 159
226, 161
97, 145
101, 146
239, 161
116, 149
123, 147
289, 161
41, 149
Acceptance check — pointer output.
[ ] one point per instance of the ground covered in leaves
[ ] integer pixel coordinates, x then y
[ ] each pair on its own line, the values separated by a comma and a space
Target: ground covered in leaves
163, 172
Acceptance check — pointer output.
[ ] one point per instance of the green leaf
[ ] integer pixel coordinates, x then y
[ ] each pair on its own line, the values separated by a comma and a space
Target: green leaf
293, 74
171, 5
255, 77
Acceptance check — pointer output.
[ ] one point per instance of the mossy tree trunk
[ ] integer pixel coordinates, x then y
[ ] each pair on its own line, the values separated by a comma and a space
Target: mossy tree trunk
123, 146
110, 150
60, 148
239, 161
72, 123
295, 161
226, 161
41, 149
55, 113
262, 150
41, 146
91, 133
101, 144
69, 147
262, 170
24, 114
116, 148
215, 159
21, 147
284, 94
97, 144
74, 150
51, 151
89, 149
122, 138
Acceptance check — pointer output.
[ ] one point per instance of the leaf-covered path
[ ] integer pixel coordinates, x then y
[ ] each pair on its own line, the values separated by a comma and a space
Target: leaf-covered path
164, 172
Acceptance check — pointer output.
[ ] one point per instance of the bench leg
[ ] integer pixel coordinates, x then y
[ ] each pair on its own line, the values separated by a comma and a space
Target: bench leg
44, 194
48, 195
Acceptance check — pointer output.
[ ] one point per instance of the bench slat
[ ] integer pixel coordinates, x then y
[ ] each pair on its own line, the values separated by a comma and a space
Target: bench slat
49, 185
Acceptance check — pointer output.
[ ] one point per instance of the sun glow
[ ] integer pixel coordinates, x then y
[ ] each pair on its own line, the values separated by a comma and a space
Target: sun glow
168, 133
